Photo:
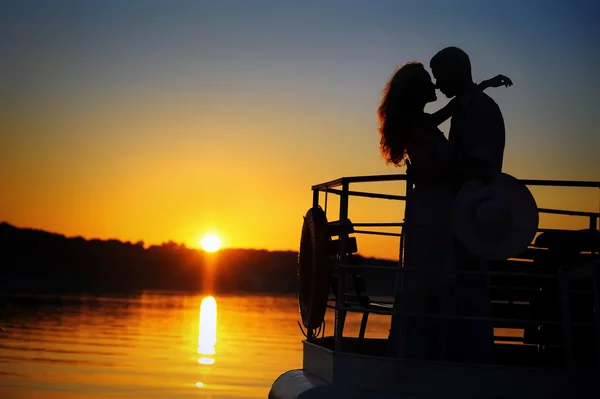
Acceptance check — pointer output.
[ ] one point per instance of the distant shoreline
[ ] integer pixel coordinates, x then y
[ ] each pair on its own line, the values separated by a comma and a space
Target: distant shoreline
39, 262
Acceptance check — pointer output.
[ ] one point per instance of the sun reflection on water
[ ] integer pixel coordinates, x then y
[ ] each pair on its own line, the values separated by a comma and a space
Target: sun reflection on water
207, 334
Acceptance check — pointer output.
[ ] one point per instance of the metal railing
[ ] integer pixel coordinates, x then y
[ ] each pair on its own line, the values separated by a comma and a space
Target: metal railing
333, 187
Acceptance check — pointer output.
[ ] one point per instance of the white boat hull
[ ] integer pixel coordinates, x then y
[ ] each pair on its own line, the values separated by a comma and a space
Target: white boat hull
331, 375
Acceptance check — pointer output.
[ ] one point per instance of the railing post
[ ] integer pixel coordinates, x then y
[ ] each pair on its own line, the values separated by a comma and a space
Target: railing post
565, 309
596, 285
315, 197
593, 221
340, 314
397, 336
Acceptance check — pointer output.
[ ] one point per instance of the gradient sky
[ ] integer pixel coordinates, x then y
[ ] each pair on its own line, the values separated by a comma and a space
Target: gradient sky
162, 120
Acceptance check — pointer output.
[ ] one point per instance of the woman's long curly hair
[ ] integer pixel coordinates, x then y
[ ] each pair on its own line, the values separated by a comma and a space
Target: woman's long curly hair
399, 111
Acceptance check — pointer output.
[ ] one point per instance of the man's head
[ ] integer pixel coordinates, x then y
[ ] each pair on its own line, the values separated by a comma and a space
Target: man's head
451, 69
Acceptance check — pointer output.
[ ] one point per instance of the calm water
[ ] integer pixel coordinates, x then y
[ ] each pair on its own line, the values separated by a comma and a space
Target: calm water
151, 346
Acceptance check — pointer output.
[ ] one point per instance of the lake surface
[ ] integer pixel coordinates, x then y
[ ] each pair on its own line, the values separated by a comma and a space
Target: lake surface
154, 345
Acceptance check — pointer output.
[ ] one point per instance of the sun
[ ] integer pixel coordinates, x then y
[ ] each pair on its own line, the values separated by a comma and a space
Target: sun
210, 243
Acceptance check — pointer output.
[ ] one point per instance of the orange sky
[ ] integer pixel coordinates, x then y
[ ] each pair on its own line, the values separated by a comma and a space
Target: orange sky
148, 124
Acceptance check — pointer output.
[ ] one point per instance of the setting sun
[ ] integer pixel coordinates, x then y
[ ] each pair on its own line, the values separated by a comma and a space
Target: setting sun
210, 243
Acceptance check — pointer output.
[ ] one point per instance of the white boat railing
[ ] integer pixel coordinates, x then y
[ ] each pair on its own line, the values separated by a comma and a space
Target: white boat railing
589, 270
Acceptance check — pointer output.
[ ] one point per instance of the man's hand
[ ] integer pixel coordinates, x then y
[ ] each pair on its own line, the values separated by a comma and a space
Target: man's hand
483, 176
476, 169
497, 81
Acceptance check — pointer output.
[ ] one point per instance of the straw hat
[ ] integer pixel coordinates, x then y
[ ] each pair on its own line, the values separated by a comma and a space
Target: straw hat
496, 220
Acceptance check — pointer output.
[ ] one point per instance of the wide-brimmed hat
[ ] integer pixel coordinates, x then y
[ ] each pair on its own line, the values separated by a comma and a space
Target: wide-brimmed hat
497, 220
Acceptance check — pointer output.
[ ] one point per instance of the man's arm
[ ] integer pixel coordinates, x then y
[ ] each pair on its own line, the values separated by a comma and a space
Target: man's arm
444, 113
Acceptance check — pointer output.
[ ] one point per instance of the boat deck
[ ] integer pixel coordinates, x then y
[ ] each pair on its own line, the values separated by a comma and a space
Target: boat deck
545, 310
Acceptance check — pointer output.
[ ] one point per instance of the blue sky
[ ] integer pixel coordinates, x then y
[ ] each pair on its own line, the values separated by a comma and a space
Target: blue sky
97, 93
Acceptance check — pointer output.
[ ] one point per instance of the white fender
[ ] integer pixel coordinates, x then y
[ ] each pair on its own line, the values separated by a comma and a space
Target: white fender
298, 384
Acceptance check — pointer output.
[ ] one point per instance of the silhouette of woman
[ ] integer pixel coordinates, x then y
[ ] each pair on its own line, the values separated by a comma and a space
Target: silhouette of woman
410, 137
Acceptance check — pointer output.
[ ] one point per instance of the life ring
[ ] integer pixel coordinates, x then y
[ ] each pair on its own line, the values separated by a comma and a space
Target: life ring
315, 267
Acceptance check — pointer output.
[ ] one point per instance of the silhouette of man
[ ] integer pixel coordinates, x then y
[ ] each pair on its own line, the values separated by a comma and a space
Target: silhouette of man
477, 138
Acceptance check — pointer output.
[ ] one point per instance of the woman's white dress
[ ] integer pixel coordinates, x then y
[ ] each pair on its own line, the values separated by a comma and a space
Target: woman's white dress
428, 244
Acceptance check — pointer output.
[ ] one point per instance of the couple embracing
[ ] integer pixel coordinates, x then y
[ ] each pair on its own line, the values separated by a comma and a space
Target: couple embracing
437, 168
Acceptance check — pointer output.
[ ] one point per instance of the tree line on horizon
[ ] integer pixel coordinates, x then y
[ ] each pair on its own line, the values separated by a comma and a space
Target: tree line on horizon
44, 262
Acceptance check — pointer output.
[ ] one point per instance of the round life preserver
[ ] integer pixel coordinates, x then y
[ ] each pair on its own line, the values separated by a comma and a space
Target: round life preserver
315, 267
